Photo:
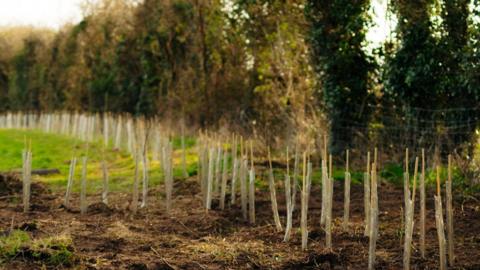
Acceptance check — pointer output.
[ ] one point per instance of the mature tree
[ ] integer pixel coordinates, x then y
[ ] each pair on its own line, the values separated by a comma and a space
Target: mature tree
223, 76
3, 74
471, 60
280, 90
337, 40
455, 92
425, 78
412, 72
26, 76
3, 85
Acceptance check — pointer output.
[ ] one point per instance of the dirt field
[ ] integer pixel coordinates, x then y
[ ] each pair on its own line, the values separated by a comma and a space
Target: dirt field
113, 238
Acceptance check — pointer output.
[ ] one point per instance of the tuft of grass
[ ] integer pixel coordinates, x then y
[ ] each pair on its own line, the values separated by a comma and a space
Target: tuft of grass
221, 250
54, 251
12, 244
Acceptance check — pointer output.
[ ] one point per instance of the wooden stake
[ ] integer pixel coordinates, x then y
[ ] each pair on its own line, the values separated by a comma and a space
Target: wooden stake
450, 233
288, 162
251, 196
135, 182
422, 207
324, 191
295, 178
415, 174
406, 184
273, 194
145, 177
211, 160
346, 205
409, 214
26, 177
241, 147
218, 170
243, 187
440, 225
330, 166
251, 193
325, 146
223, 189
366, 197
406, 159
168, 171
373, 219
438, 181
251, 154
105, 182
184, 152
83, 188
303, 220
234, 169
328, 211
288, 200
347, 162
71, 173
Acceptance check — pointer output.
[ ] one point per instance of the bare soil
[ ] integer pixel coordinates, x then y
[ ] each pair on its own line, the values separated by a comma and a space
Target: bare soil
111, 237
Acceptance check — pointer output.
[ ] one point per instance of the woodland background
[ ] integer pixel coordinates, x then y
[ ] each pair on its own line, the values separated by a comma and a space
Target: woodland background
277, 69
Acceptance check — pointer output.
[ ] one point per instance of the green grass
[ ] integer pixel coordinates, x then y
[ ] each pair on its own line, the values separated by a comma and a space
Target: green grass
11, 244
55, 151
55, 251
391, 173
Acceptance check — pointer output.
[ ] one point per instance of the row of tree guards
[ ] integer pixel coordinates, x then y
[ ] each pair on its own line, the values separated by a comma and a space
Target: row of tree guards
228, 165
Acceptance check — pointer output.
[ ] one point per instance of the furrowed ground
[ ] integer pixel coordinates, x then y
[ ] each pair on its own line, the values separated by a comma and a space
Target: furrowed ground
111, 237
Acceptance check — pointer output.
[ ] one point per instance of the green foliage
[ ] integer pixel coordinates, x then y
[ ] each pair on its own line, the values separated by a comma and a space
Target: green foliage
471, 57
393, 173
3, 85
337, 37
27, 77
429, 72
338, 175
260, 66
189, 142
189, 59
412, 72
281, 74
